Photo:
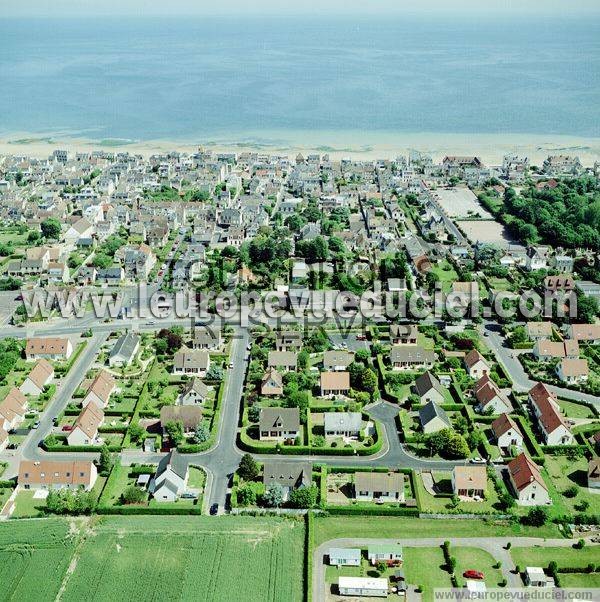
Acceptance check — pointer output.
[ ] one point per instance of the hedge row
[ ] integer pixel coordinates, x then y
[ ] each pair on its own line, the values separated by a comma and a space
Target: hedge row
372, 511
147, 510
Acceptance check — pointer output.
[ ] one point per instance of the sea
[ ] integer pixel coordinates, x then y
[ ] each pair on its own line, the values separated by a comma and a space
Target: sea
266, 79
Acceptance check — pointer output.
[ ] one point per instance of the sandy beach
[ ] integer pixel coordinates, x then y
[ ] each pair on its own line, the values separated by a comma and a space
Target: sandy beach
357, 145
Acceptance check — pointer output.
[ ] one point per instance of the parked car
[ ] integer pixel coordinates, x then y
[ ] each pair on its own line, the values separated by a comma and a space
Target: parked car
231, 365
477, 460
472, 574
36, 424
214, 509
67, 427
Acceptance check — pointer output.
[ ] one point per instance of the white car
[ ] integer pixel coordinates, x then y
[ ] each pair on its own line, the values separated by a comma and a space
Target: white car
477, 460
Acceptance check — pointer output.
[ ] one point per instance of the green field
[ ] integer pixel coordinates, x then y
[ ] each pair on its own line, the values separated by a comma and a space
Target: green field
425, 567
152, 558
564, 557
333, 527
575, 410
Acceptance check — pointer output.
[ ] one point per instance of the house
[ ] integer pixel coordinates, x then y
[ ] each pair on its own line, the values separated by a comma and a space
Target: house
573, 370
272, 383
49, 348
194, 392
206, 338
476, 365
99, 392
545, 349
403, 334
85, 429
171, 478
537, 258
337, 360
429, 388
527, 482
507, 433
593, 473
41, 376
110, 276
389, 553
586, 333
189, 416
288, 475
411, 357
80, 229
379, 486
124, 350
363, 586
279, 424
433, 418
345, 556
283, 360
546, 411
288, 340
469, 482
191, 361
335, 383
49, 474
539, 330
342, 424
3, 439
535, 577
489, 397
12, 409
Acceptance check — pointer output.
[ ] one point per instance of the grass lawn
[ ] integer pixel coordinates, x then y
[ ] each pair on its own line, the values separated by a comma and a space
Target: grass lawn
25, 505
476, 559
332, 527
425, 566
574, 410
197, 478
439, 504
585, 580
565, 473
567, 556
446, 274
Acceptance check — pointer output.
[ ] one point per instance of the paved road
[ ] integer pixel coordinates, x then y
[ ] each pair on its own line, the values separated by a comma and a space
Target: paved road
521, 381
496, 546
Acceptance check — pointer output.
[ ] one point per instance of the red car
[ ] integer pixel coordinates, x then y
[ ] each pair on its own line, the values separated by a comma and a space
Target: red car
67, 427
473, 574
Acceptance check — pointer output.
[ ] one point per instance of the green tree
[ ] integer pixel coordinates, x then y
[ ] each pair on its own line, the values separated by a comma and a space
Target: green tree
174, 429
51, 228
133, 495
201, 433
246, 496
273, 496
106, 461
137, 433
536, 517
248, 468
304, 497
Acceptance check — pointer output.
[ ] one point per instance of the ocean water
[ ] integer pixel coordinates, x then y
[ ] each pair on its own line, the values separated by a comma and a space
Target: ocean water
244, 79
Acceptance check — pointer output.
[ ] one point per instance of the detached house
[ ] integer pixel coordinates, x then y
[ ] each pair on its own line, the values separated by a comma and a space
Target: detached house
85, 429
285, 361
100, 390
507, 433
49, 348
272, 383
573, 370
343, 424
171, 478
469, 481
401, 334
288, 475
433, 418
41, 376
489, 396
190, 416
194, 392
337, 360
206, 338
125, 350
12, 409
411, 357
429, 388
288, 340
47, 474
379, 486
586, 333
550, 421
279, 424
539, 330
527, 482
476, 365
335, 383
191, 361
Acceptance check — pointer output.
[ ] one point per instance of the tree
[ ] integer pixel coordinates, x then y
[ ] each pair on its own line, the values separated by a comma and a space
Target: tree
381, 567
106, 461
51, 228
254, 413
173, 338
137, 434
304, 497
369, 381
248, 468
536, 517
174, 429
273, 496
246, 496
201, 434
133, 495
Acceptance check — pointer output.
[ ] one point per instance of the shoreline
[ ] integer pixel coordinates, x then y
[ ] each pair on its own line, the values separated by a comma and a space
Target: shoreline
356, 145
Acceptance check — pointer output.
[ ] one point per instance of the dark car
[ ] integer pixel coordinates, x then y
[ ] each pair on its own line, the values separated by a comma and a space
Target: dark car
214, 509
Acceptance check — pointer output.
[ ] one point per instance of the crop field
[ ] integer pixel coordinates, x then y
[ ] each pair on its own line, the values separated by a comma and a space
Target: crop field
153, 558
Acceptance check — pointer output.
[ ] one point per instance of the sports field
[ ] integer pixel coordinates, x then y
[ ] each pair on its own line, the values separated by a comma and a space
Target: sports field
152, 558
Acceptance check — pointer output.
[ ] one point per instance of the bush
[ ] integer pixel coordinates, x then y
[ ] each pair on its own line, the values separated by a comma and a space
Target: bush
133, 495
536, 517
